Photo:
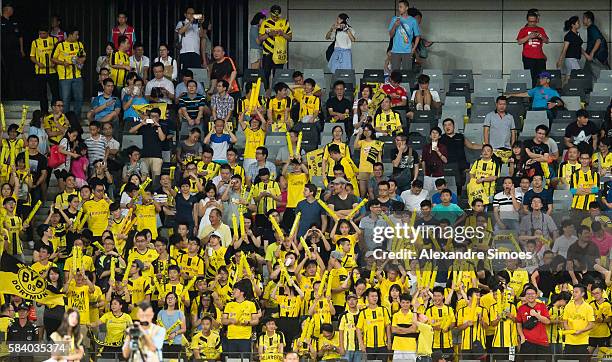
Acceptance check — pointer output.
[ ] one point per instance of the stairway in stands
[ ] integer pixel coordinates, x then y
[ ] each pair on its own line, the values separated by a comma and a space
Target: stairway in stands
12, 112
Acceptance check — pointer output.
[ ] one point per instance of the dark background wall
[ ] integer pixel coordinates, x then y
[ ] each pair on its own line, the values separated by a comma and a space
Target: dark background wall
154, 21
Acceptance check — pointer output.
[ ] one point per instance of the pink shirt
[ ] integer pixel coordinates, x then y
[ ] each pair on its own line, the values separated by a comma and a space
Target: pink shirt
78, 167
604, 244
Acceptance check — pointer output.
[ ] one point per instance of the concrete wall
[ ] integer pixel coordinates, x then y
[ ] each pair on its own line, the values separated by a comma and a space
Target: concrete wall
469, 34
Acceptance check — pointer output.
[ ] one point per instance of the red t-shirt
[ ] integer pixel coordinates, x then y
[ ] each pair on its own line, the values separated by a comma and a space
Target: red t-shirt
399, 90
537, 335
532, 48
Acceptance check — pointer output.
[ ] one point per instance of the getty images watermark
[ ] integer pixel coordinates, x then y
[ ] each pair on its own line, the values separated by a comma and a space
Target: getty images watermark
458, 234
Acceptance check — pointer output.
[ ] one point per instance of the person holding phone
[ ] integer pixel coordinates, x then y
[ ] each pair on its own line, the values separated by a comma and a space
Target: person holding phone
533, 37
105, 107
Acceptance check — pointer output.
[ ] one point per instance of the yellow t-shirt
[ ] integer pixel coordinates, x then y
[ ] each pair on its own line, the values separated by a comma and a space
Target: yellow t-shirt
298, 92
191, 265
208, 346
65, 51
254, 139
295, 188
49, 124
329, 354
241, 312
88, 264
309, 105
482, 168
97, 213
370, 153
390, 122
42, 269
603, 162
139, 289
425, 341
278, 108
115, 326
147, 219
78, 298
578, 317
147, 258
337, 278
404, 343
94, 298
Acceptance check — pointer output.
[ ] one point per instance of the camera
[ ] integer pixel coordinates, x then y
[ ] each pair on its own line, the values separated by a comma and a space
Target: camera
134, 331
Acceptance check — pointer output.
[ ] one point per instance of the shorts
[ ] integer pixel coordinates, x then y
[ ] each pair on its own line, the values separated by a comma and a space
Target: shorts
599, 342
404, 356
364, 176
254, 55
569, 64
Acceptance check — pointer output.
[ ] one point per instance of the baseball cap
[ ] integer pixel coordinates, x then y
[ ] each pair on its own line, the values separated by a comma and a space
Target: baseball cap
23, 306
216, 233
337, 254
544, 75
351, 296
340, 180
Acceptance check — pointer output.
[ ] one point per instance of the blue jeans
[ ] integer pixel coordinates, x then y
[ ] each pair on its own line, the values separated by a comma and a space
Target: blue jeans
72, 89
353, 356
237, 348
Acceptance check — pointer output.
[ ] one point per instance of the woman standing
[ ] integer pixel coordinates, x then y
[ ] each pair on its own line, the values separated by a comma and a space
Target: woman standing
104, 60
53, 314
174, 321
66, 146
433, 160
343, 37
116, 322
69, 333
254, 44
572, 48
371, 153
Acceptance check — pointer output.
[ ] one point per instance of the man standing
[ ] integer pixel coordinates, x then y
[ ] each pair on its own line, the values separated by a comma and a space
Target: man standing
44, 69
340, 108
401, 30
152, 337
374, 327
531, 321
153, 131
223, 68
22, 330
578, 318
239, 316
597, 48
311, 210
274, 33
584, 185
582, 133
189, 33
12, 51
96, 144
532, 38
499, 129
69, 56
139, 63
38, 169
456, 144
123, 29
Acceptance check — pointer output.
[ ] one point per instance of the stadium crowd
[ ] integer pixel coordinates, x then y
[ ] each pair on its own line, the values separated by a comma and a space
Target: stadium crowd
176, 227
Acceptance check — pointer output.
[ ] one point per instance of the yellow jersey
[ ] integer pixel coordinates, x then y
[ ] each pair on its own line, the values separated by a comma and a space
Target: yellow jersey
97, 213
118, 75
42, 50
50, 124
78, 298
404, 342
329, 354
115, 326
566, 170
208, 346
67, 52
13, 226
482, 168
442, 317
370, 153
295, 188
373, 323
309, 105
149, 256
267, 202
269, 44
191, 265
348, 326
146, 217
588, 180
601, 311
241, 312
279, 107
390, 122
254, 139
271, 344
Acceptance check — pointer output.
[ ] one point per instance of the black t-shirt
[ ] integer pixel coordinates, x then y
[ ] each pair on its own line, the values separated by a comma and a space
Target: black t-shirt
222, 70
342, 204
184, 208
340, 105
409, 160
607, 127
581, 137
38, 163
455, 148
574, 50
150, 138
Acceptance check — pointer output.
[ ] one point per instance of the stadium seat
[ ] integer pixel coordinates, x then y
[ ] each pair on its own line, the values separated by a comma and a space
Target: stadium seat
484, 102
420, 127
530, 124
491, 73
129, 140
328, 127
283, 75
201, 75
485, 88
274, 142
555, 78
581, 78
473, 132
564, 116
479, 113
387, 148
504, 171
317, 181
521, 76
456, 115
434, 74
572, 103
462, 76
373, 76
557, 129
317, 74
537, 115
310, 135
325, 139
408, 78
605, 76
598, 103
516, 107
251, 75
458, 90
574, 88
437, 85
562, 200
515, 87
424, 116
417, 141
455, 101
345, 75
597, 117
602, 89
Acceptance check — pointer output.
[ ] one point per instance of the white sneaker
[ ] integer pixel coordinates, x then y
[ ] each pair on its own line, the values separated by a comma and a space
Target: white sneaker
419, 107
427, 107
31, 244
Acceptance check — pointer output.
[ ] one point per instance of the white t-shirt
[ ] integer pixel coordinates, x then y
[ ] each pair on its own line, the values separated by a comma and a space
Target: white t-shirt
562, 244
190, 40
412, 201
164, 83
342, 39
434, 96
138, 66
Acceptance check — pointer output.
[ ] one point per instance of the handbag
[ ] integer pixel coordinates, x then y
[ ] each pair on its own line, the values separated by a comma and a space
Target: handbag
56, 158
530, 323
330, 50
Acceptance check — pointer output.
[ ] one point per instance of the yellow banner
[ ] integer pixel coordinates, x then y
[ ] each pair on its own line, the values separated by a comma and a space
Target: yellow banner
142, 109
19, 279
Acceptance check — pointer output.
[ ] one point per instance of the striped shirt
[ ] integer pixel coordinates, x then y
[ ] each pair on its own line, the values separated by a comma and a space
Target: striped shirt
506, 207
348, 325
588, 180
96, 148
192, 104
